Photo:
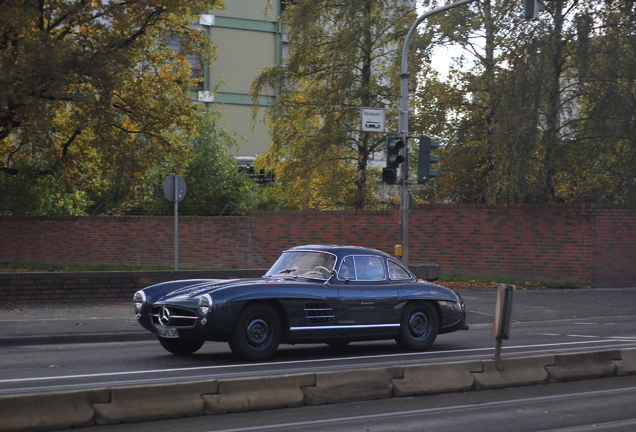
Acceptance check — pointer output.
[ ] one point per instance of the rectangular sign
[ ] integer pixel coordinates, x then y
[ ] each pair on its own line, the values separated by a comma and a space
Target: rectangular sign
372, 119
503, 311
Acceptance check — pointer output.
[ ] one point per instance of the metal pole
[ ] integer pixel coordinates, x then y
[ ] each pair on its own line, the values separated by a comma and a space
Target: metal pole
497, 355
404, 126
404, 191
176, 223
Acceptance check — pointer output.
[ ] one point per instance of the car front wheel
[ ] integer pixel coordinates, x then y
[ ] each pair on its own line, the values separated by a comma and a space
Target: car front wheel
418, 327
181, 346
257, 333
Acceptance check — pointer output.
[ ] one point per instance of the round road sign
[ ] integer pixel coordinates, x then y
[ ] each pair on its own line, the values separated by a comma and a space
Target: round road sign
174, 188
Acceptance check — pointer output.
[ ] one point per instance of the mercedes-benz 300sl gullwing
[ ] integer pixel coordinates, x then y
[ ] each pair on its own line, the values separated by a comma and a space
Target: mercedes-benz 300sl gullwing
312, 294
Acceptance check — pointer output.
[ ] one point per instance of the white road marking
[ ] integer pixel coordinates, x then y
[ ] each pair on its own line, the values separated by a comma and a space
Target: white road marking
235, 367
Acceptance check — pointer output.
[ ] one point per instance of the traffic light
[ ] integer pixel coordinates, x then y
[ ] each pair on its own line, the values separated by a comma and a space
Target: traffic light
394, 144
424, 171
533, 7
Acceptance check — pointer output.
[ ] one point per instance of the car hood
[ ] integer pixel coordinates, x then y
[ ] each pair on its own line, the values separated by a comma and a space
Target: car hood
198, 287
189, 294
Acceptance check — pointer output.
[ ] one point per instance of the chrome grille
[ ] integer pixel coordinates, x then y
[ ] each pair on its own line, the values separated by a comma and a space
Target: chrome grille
170, 316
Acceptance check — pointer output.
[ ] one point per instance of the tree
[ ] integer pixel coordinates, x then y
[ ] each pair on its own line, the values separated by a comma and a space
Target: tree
469, 99
513, 120
342, 56
91, 94
215, 185
607, 60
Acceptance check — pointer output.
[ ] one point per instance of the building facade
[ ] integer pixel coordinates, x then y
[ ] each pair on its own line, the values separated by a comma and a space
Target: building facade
248, 38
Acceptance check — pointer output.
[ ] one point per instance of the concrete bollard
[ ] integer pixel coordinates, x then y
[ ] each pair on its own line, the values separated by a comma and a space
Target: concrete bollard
50, 411
627, 364
154, 402
352, 385
513, 371
585, 365
436, 378
249, 394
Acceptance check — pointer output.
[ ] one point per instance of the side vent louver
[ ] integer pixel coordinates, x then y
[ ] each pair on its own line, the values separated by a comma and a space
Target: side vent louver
319, 312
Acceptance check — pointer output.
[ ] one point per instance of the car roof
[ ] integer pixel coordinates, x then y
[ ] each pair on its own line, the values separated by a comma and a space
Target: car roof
340, 250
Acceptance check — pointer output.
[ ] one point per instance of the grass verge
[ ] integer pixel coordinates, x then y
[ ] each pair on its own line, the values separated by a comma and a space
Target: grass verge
457, 279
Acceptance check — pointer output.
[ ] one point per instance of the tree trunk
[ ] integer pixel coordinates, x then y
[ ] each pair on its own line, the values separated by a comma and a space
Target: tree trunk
551, 137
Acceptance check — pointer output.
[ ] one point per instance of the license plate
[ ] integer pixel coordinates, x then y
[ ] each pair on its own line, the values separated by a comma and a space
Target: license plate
167, 332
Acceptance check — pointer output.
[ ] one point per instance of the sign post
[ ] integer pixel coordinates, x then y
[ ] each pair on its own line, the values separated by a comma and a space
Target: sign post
174, 189
503, 319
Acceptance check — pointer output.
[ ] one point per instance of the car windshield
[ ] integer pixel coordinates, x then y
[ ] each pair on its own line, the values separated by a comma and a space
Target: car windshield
315, 265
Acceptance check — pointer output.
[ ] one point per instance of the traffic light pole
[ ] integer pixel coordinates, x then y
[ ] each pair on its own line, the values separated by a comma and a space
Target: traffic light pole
404, 127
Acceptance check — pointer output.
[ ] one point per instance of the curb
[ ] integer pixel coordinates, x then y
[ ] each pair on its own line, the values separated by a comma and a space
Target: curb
87, 407
77, 338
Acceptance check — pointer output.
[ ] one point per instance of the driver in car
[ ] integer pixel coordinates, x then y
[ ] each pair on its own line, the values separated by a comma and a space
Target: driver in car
368, 268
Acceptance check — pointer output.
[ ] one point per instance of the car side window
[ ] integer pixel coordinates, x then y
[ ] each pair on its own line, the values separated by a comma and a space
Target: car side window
369, 268
397, 272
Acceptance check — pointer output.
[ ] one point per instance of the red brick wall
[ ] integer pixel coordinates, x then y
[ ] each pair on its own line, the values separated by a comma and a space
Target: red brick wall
96, 286
589, 243
613, 241
534, 242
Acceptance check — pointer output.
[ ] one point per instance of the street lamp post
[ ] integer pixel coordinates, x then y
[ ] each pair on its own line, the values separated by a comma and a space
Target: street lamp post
404, 126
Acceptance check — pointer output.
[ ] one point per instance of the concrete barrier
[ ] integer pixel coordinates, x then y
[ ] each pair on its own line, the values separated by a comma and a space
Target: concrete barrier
70, 409
513, 371
154, 402
436, 378
257, 393
427, 271
352, 385
627, 364
50, 411
575, 366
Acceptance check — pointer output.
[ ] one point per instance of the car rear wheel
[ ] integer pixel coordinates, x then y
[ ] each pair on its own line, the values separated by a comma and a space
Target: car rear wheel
418, 327
181, 346
257, 333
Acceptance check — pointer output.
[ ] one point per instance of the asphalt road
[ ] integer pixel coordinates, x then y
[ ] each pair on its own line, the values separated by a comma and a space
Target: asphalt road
545, 321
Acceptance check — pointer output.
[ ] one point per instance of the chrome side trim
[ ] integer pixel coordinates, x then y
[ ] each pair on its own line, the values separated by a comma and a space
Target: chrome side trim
341, 327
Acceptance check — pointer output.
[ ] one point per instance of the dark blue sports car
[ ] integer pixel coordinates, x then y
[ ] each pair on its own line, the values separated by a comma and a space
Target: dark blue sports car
312, 294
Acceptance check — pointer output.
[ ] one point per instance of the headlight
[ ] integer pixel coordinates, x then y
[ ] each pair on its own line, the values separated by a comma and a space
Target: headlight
139, 301
454, 306
462, 305
205, 305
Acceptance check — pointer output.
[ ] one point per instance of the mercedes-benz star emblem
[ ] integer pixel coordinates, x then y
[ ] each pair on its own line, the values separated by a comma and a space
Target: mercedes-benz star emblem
164, 316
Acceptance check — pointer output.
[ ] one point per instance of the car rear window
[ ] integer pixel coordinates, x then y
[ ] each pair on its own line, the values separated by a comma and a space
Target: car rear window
397, 272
